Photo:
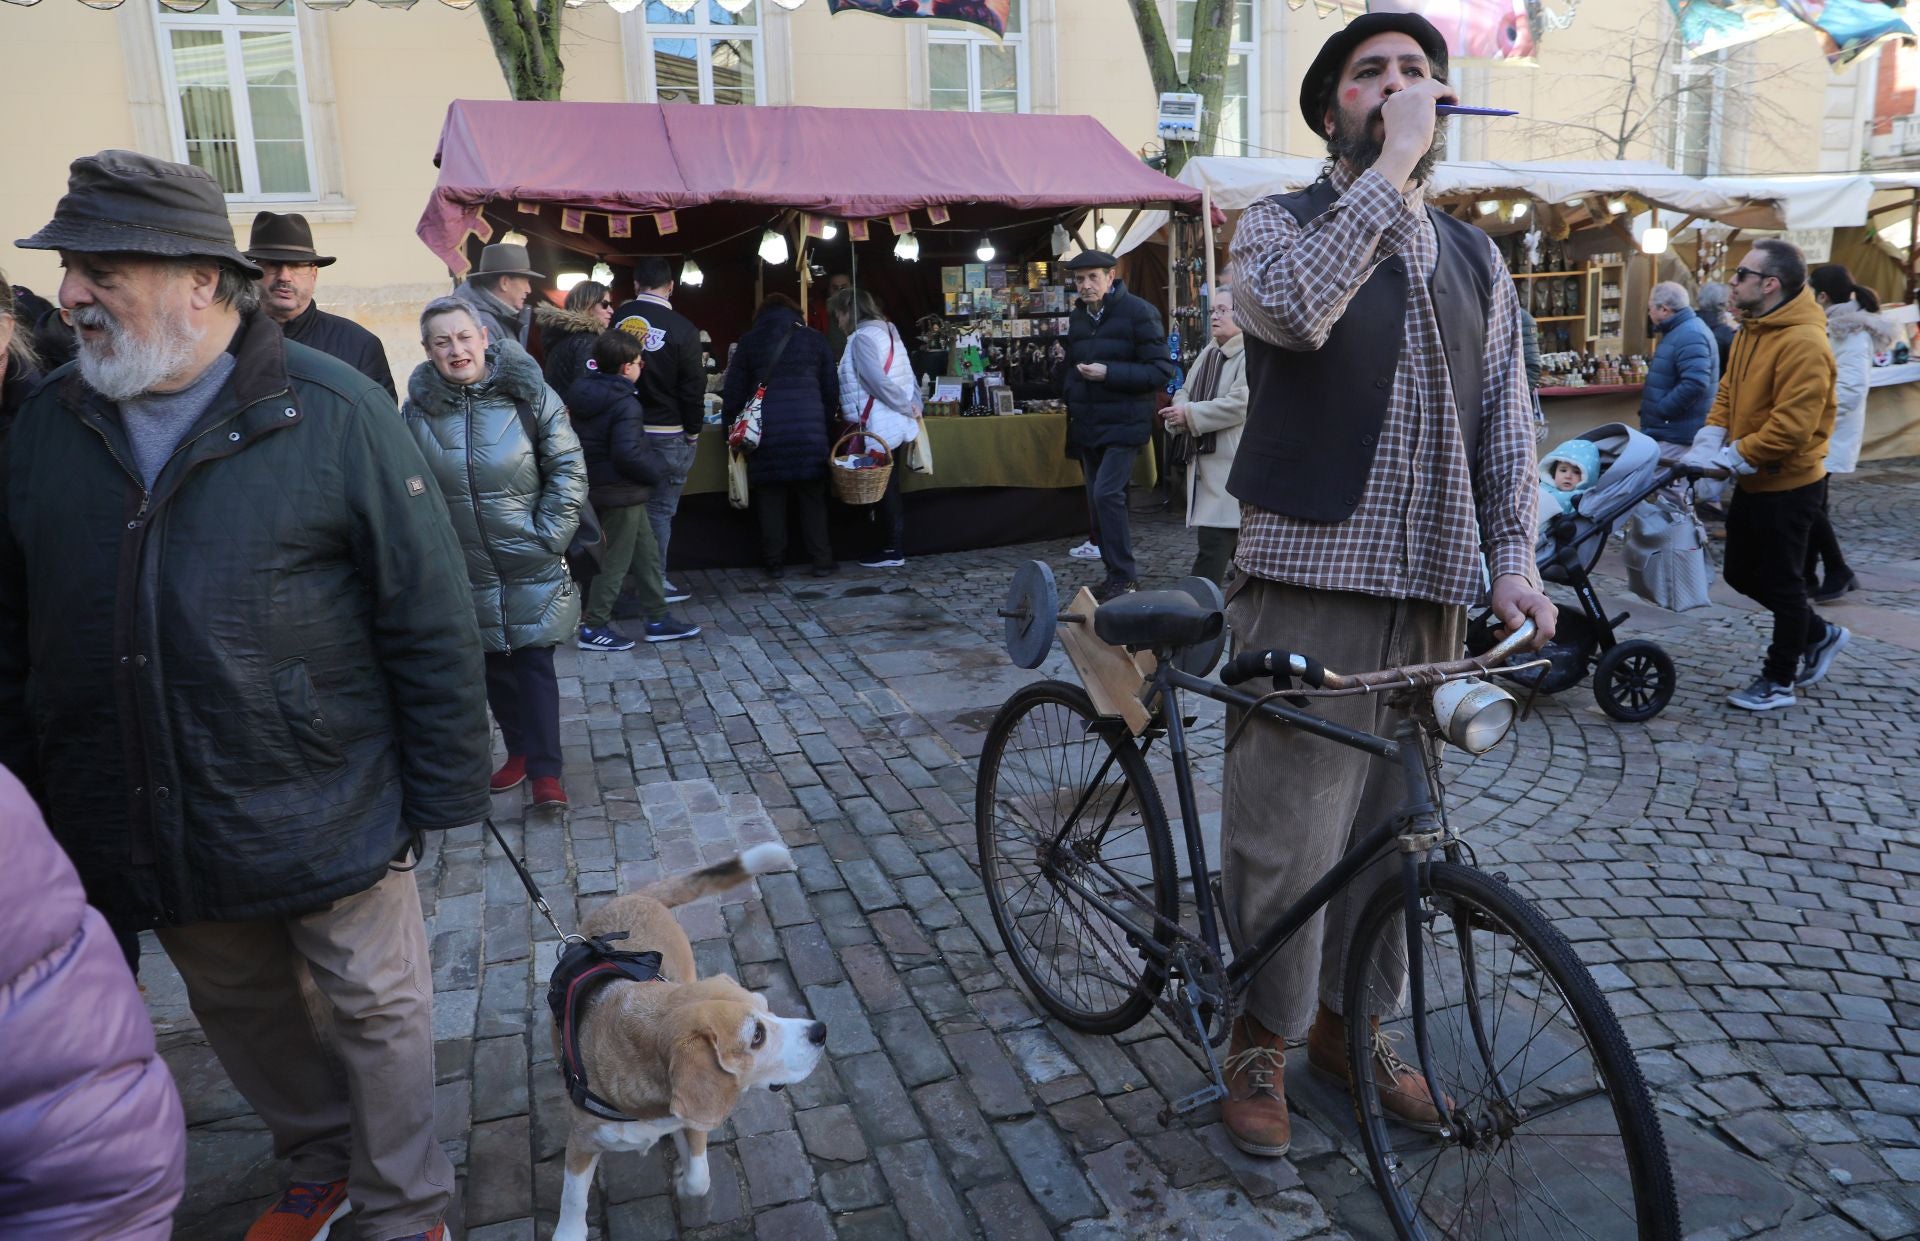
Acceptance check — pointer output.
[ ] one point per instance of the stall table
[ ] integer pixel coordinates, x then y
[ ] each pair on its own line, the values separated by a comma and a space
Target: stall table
1893, 413
1573, 411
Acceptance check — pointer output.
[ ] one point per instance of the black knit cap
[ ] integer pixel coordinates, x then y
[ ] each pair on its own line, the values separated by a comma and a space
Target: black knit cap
122, 202
1316, 89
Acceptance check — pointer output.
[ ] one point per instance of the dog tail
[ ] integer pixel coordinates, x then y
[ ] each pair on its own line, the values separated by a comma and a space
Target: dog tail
755, 860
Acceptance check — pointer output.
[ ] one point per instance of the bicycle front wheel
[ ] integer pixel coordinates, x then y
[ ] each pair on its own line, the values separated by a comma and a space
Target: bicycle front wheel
1548, 1128
1071, 832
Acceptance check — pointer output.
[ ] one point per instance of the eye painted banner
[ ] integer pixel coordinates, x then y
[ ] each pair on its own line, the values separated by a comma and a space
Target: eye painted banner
1474, 29
990, 14
1846, 27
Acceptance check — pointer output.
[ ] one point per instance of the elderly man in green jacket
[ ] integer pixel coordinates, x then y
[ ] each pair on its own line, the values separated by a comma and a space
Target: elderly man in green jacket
240, 672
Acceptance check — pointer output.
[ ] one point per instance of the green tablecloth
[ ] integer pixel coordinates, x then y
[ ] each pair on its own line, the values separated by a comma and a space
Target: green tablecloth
1012, 450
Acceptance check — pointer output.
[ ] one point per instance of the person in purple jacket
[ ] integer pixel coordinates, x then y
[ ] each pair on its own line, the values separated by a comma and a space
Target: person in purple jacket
92, 1139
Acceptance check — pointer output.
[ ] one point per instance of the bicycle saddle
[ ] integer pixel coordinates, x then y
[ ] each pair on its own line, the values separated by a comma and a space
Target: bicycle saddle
1149, 618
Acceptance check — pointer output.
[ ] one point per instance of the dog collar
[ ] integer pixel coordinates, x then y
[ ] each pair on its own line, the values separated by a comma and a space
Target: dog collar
585, 966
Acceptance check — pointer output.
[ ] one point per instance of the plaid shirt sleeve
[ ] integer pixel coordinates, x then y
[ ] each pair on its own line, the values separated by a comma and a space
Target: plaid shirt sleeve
1507, 487
1292, 284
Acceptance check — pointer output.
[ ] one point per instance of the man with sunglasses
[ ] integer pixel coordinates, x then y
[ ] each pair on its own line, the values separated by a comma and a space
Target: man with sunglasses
1769, 428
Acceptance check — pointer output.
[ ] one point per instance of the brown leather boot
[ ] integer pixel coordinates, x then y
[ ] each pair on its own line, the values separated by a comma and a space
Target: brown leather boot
1255, 1109
1403, 1090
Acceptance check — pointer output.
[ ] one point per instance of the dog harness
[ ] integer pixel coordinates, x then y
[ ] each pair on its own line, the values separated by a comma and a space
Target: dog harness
585, 967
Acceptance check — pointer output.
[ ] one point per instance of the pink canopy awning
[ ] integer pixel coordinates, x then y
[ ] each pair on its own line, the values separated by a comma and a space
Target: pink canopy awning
626, 162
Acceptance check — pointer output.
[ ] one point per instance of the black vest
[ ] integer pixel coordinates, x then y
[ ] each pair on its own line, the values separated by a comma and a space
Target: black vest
1313, 419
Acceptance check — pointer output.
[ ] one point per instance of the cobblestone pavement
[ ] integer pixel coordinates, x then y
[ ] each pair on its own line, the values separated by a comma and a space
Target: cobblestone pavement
1743, 887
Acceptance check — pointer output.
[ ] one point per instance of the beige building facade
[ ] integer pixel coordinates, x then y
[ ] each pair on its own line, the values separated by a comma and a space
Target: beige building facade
335, 114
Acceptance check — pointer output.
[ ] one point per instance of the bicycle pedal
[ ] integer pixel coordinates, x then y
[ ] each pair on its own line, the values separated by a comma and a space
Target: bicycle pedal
1193, 1102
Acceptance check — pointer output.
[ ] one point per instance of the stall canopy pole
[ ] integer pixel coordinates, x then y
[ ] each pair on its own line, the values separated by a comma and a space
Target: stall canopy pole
1913, 250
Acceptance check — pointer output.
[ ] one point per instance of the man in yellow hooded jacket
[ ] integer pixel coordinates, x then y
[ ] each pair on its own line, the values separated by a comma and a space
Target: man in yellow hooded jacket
1769, 428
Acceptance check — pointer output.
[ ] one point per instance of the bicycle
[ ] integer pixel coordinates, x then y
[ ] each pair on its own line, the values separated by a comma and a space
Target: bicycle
1524, 1057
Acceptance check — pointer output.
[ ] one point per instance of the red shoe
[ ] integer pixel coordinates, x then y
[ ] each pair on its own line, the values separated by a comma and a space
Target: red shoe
547, 791
512, 774
436, 1233
306, 1212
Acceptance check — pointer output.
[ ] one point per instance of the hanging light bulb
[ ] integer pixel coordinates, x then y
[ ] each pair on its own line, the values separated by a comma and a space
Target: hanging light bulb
567, 280
602, 274
511, 238
1518, 211
1061, 240
1616, 206
1105, 236
986, 251
1486, 206
773, 247
906, 248
691, 275
829, 230
1653, 241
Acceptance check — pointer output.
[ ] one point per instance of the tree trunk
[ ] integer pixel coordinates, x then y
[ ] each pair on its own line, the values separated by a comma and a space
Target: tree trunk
1206, 67
526, 40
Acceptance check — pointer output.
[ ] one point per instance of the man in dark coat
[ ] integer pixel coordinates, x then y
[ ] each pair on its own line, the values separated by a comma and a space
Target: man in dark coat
239, 670
1116, 360
282, 246
673, 392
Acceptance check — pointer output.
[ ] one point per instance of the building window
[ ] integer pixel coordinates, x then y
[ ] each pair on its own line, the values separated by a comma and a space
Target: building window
236, 97
706, 54
1239, 132
968, 70
1698, 122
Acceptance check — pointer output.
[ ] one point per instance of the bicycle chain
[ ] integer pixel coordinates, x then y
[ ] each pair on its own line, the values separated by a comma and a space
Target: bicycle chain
1198, 962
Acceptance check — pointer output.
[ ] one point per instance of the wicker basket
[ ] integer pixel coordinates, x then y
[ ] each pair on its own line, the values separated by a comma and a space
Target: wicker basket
859, 486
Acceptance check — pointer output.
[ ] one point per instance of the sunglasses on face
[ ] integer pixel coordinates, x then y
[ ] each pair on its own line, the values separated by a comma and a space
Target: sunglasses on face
1741, 273
604, 305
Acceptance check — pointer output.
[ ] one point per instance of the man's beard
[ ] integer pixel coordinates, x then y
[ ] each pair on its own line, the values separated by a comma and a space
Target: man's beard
1357, 149
127, 363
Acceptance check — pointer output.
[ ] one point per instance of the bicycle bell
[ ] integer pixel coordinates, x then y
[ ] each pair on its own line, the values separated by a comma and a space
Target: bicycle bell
1473, 714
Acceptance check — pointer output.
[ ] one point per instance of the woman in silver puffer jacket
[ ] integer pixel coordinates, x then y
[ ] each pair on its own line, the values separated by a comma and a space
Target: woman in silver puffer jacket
515, 506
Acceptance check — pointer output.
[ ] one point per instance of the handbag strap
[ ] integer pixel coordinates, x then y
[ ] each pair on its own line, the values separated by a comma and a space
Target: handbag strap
892, 338
775, 359
532, 428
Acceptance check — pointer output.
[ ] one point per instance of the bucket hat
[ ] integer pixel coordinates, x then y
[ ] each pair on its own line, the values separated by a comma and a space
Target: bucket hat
122, 202
1316, 89
506, 258
283, 239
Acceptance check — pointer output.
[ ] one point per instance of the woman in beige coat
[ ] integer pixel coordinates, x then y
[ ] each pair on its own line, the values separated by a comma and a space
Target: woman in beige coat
1211, 408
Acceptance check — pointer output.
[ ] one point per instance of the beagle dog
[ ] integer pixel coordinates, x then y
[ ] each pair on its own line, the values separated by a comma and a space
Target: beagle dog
674, 1053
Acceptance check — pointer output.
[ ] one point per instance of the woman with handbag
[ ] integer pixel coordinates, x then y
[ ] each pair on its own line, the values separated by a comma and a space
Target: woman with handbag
516, 504
787, 368
879, 396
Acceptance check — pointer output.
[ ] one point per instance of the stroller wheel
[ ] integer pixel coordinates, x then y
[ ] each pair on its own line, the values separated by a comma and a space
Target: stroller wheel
1634, 681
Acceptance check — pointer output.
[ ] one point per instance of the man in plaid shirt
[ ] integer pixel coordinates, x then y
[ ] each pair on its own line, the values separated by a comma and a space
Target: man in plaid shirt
1389, 448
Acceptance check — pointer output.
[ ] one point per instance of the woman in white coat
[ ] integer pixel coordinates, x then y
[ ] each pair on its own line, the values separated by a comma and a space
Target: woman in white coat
878, 394
1211, 410
1856, 332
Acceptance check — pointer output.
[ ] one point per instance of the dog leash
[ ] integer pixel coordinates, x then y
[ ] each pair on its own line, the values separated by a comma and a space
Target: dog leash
533, 889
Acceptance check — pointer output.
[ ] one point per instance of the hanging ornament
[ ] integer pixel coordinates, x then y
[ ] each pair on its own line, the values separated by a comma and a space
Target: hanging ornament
734, 6
618, 6
1061, 240
680, 6
789, 5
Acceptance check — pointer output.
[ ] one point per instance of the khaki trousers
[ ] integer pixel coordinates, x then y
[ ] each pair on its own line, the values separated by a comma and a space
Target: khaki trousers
1295, 802
346, 1085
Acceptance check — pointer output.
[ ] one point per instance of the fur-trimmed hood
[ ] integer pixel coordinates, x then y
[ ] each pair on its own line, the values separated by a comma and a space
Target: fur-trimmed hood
1846, 318
512, 374
550, 318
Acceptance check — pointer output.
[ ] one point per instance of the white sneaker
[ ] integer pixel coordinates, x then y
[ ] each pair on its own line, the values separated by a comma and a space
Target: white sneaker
675, 594
1088, 550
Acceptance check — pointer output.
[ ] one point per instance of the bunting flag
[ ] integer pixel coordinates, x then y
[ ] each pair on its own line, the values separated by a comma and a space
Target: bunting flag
937, 214
620, 226
1475, 29
817, 226
987, 14
857, 230
902, 223
573, 220
1846, 28
528, 208
667, 222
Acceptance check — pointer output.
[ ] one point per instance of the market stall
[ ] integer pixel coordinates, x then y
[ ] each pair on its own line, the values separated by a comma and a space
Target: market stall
953, 220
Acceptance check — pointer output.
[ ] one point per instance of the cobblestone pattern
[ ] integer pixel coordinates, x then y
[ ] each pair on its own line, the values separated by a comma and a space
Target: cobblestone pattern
1743, 887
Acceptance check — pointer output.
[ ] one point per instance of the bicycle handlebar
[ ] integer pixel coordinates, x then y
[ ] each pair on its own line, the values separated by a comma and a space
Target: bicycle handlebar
1316, 675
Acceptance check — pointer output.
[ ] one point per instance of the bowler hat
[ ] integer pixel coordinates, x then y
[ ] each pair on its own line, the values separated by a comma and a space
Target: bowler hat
283, 239
1089, 259
121, 202
505, 258
1316, 89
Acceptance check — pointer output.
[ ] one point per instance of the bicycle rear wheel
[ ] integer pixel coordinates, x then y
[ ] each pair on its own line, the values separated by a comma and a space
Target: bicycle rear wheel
1066, 814
1551, 1131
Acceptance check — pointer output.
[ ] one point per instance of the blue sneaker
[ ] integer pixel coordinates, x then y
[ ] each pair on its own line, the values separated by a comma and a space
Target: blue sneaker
667, 629
608, 639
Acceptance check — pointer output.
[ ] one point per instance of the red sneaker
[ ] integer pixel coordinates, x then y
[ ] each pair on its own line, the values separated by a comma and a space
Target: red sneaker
547, 791
512, 774
436, 1233
306, 1212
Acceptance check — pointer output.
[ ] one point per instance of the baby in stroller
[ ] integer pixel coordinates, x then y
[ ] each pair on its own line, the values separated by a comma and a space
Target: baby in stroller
1566, 474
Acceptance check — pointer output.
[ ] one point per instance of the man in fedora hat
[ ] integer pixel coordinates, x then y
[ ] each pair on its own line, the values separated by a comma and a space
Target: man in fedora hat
282, 246
1116, 360
1388, 448
240, 672
497, 290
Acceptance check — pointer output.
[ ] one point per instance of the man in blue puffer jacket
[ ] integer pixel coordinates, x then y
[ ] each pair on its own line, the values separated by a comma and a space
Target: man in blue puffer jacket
1684, 374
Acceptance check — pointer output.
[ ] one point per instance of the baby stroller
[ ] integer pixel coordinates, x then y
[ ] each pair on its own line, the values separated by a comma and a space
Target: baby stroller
1632, 680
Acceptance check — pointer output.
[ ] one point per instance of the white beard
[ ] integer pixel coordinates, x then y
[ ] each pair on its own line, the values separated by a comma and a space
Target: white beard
126, 365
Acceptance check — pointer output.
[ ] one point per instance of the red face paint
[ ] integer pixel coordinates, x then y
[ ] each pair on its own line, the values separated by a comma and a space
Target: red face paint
1350, 94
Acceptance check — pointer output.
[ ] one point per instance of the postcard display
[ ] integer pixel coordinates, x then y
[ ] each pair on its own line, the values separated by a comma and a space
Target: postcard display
1008, 323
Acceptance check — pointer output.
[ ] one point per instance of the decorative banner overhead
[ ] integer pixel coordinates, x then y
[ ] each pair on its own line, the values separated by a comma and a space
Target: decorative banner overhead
620, 226
991, 14
1846, 28
1475, 29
